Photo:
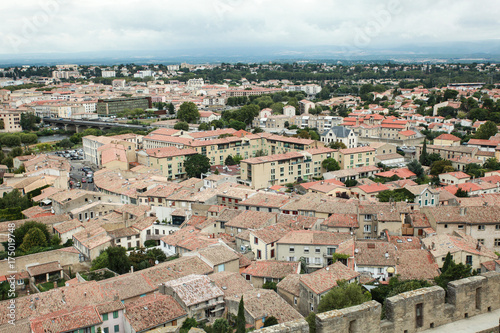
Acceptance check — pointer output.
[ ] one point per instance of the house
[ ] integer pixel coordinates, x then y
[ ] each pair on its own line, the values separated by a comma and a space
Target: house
463, 249
75, 319
263, 241
454, 178
219, 256
403, 173
153, 311
289, 290
263, 271
41, 273
376, 258
390, 160
367, 192
339, 222
197, 294
260, 304
249, 219
232, 284
318, 248
340, 134
315, 285
424, 195
446, 139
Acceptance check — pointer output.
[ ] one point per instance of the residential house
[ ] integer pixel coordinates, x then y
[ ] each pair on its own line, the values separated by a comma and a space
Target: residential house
340, 134
263, 271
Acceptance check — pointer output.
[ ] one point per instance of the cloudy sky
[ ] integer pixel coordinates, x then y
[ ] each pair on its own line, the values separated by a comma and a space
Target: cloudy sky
55, 26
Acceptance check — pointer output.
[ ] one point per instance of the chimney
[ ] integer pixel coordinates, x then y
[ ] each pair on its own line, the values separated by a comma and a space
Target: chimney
463, 210
131, 268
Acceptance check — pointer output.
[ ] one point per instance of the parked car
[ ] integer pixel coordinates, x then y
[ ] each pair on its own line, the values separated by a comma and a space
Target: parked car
84, 180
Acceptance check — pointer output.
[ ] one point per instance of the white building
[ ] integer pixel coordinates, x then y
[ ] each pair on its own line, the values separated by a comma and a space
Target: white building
108, 73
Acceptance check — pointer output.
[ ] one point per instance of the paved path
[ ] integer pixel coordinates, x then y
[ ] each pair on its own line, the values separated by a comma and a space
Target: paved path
470, 325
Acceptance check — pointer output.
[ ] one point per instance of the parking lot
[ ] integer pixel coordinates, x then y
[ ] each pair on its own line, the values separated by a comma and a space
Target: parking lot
79, 169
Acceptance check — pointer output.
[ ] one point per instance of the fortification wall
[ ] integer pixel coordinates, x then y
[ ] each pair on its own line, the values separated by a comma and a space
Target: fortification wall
410, 312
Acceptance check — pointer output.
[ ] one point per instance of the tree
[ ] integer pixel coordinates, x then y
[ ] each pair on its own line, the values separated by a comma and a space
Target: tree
182, 125
11, 140
237, 125
229, 160
337, 145
486, 130
28, 121
415, 167
351, 182
311, 320
453, 272
329, 164
461, 193
100, 262
188, 324
171, 108
34, 238
21, 232
492, 164
65, 143
237, 159
397, 195
474, 170
28, 139
240, 319
450, 94
204, 127
343, 295
423, 156
196, 164
188, 112
221, 326
270, 285
271, 321
439, 167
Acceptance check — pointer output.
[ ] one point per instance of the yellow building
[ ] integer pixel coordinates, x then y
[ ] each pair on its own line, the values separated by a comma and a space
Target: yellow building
11, 121
265, 171
446, 139
169, 160
356, 157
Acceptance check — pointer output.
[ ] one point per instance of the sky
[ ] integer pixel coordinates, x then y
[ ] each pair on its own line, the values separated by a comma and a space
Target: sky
67, 26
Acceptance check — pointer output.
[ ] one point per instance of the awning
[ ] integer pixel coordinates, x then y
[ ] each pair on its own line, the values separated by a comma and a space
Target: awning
46, 201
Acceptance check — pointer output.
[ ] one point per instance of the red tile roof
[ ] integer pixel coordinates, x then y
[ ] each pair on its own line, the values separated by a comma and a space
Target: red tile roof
272, 269
446, 136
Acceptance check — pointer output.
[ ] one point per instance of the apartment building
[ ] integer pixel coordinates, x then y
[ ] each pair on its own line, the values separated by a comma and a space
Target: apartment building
318, 248
266, 171
340, 134
356, 157
11, 121
169, 160
112, 106
93, 146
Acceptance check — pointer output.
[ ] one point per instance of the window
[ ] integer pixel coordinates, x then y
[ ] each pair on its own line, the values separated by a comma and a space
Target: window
291, 258
497, 241
460, 227
105, 330
105, 317
256, 240
419, 314
295, 300
381, 270
468, 260
318, 250
368, 217
115, 314
259, 254
317, 261
480, 241
368, 228
272, 253
480, 227
117, 328
306, 249
291, 249
221, 268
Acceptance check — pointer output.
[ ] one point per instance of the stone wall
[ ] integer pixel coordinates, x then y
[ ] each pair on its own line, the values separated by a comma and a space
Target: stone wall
297, 326
413, 311
66, 258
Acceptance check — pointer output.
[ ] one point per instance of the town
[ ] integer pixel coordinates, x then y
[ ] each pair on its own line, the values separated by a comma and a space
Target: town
275, 197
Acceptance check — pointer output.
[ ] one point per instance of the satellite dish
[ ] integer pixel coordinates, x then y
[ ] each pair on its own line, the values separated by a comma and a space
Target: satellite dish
156, 262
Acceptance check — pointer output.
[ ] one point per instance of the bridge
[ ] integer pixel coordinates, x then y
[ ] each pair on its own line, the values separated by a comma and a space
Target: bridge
80, 125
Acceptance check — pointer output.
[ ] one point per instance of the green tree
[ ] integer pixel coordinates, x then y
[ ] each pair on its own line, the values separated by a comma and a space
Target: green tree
182, 125
270, 285
65, 143
441, 166
28, 121
171, 108
492, 164
100, 262
196, 164
271, 321
330, 164
221, 326
204, 127
237, 159
28, 139
21, 232
461, 193
453, 272
34, 238
343, 295
311, 320
118, 260
237, 125
240, 319
397, 195
424, 155
415, 167
337, 145
11, 140
486, 130
450, 94
229, 160
474, 170
188, 324
188, 112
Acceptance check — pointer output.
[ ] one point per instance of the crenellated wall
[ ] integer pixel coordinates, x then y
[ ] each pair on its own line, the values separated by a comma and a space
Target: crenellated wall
410, 312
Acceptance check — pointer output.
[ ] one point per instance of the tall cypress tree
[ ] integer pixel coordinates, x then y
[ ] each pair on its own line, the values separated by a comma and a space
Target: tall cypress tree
423, 157
240, 319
